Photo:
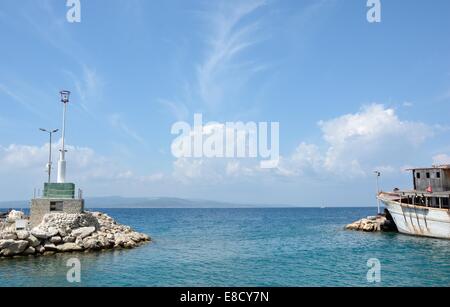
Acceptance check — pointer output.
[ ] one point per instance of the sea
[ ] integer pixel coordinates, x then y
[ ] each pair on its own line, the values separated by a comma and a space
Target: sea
296, 247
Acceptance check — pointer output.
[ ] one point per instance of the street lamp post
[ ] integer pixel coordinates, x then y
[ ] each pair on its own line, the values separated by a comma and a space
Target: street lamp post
378, 174
49, 165
62, 162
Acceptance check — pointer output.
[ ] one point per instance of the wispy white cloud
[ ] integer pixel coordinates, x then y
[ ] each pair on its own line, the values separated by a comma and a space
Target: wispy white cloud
178, 109
17, 97
230, 36
52, 27
44, 20
117, 121
89, 87
230, 31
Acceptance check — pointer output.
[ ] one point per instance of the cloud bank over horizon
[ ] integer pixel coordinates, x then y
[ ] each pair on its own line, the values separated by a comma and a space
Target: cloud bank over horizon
354, 145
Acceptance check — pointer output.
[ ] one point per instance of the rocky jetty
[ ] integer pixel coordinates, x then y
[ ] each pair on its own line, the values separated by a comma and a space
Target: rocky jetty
63, 232
381, 222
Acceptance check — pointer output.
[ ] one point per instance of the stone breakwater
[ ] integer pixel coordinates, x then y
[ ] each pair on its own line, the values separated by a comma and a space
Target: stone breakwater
381, 222
63, 232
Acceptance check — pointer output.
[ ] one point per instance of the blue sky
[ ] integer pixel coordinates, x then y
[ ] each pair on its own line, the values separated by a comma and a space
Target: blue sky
350, 96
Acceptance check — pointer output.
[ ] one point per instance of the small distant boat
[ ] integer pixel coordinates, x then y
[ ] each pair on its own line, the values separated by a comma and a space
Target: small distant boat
425, 210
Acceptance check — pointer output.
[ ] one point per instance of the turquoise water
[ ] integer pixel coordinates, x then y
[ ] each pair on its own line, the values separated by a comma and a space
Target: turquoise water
245, 247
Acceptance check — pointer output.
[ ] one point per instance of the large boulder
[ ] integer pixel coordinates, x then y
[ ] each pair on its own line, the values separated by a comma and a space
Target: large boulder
9, 236
55, 240
104, 242
63, 232
4, 243
44, 233
368, 227
33, 241
40, 249
130, 244
135, 237
22, 234
12, 247
69, 247
83, 232
121, 239
14, 216
69, 239
29, 250
50, 247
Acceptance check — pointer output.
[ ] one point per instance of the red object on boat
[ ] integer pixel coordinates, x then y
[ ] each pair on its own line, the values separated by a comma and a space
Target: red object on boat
430, 189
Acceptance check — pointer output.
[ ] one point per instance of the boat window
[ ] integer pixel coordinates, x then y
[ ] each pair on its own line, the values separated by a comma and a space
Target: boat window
428, 175
438, 175
418, 175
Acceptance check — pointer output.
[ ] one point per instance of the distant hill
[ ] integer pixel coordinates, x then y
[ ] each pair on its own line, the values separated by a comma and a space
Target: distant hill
143, 202
156, 202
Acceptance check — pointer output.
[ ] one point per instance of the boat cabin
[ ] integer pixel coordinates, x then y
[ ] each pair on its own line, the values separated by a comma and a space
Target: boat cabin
431, 187
437, 177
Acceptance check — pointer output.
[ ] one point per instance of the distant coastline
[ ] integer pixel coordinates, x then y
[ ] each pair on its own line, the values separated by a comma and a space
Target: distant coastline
111, 202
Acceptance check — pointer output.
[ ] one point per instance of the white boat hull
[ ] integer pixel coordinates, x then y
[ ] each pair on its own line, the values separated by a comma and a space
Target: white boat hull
418, 220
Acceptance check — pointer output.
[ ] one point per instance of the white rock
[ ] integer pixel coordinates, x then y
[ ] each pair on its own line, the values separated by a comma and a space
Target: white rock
69, 247
130, 244
135, 237
55, 240
9, 236
69, 239
44, 234
39, 233
33, 241
5, 243
29, 251
90, 243
15, 215
22, 234
83, 232
62, 232
12, 247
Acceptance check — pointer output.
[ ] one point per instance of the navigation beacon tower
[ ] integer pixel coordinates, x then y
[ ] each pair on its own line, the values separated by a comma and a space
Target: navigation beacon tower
59, 196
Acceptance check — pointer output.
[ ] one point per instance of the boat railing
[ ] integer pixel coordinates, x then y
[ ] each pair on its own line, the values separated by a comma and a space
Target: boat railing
440, 200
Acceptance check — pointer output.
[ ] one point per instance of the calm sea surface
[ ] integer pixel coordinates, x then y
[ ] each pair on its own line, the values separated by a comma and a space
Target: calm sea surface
245, 247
